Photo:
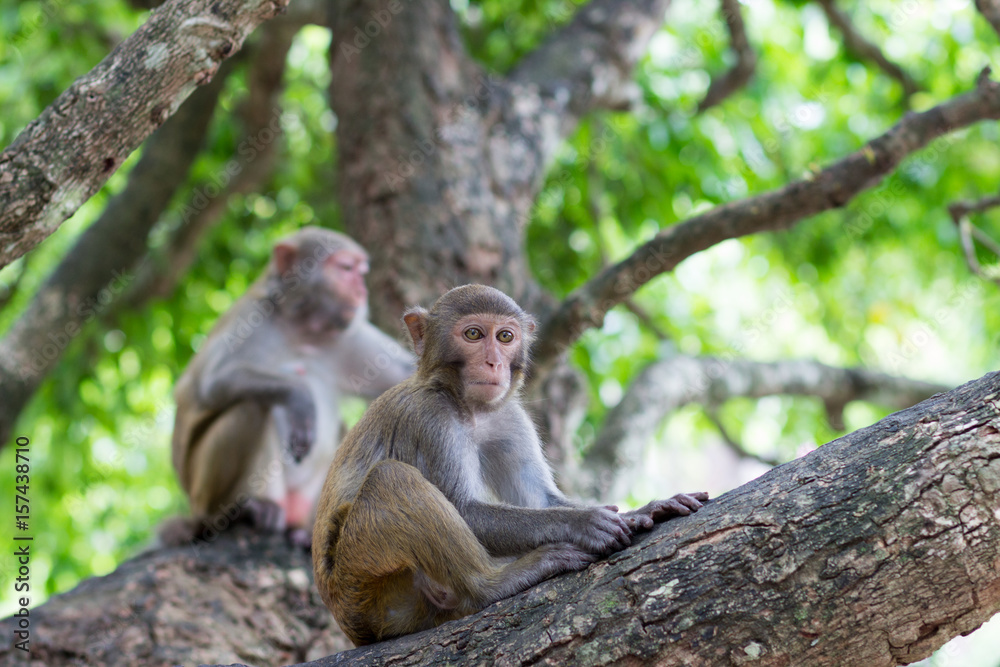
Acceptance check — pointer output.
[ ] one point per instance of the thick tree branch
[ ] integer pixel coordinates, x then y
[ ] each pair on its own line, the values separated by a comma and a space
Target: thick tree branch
832, 187
881, 546
739, 74
247, 172
302, 11
856, 43
665, 386
99, 266
64, 156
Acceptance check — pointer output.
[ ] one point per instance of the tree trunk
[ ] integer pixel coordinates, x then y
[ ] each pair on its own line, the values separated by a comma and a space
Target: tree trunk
873, 550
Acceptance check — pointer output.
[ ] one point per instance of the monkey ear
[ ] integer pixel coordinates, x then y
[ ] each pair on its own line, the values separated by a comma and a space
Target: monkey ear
416, 323
530, 325
284, 257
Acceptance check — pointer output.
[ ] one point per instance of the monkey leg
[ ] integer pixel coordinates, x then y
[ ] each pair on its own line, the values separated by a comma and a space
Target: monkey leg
219, 464
406, 560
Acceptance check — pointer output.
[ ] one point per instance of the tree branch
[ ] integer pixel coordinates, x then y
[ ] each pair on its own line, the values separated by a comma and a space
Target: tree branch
99, 265
64, 156
664, 386
260, 112
881, 545
735, 446
856, 43
780, 209
302, 11
746, 60
587, 64
969, 234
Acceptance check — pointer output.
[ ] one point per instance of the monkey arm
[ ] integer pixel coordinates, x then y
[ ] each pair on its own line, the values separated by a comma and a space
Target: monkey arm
507, 530
235, 383
372, 361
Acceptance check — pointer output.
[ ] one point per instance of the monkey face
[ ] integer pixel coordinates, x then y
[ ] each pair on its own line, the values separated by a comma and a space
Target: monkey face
344, 271
488, 345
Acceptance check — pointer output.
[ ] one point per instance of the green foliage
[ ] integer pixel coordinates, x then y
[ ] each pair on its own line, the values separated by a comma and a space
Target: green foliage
880, 283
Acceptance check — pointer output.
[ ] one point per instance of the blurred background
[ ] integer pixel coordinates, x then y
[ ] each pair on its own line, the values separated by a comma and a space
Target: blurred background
881, 284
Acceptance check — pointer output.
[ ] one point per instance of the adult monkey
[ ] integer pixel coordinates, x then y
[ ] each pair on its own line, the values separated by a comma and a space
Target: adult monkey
439, 502
258, 416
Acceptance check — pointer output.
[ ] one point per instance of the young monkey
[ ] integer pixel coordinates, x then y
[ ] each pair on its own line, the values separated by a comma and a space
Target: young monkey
439, 502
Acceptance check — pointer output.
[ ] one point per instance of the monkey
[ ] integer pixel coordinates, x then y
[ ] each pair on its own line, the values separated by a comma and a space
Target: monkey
439, 501
258, 418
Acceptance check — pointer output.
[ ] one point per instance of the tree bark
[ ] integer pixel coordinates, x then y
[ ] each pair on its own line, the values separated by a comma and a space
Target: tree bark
439, 161
65, 155
874, 549
240, 598
101, 261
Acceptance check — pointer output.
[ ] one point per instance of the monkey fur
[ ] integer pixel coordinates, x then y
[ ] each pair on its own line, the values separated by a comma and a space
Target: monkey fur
440, 502
258, 415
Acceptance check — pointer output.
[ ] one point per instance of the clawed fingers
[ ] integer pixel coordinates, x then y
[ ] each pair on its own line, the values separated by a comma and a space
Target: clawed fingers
638, 522
677, 507
617, 534
622, 533
681, 504
300, 441
691, 500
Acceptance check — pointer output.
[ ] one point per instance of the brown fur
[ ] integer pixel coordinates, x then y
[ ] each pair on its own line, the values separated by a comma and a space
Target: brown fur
257, 408
439, 502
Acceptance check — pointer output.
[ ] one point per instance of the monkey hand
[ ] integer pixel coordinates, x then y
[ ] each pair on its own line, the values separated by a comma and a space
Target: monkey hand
681, 504
565, 557
601, 531
300, 425
264, 515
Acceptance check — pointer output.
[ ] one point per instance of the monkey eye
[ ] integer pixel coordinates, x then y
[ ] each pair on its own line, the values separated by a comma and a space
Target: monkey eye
472, 333
505, 336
